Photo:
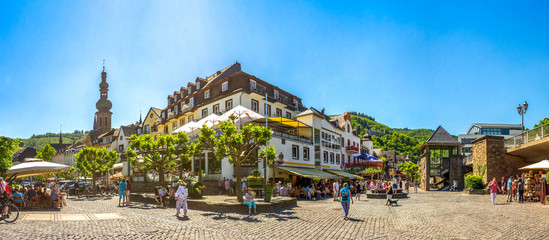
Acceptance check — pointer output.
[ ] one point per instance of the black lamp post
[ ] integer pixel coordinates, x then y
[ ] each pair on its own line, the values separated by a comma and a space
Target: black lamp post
521, 111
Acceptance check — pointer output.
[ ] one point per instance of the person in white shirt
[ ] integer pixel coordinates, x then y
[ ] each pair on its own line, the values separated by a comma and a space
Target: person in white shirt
181, 198
336, 190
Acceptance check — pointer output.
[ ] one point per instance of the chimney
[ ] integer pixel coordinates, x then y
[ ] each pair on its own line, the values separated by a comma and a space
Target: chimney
322, 111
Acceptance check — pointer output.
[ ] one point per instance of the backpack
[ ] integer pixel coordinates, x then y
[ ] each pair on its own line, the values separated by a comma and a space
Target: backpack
345, 195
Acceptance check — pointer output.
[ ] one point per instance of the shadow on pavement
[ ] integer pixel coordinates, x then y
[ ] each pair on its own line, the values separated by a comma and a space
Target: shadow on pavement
354, 219
184, 218
222, 216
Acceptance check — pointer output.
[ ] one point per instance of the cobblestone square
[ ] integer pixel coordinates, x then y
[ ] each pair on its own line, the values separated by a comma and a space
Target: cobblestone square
425, 215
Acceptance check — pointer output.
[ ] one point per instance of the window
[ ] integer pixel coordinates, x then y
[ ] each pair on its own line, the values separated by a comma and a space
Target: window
268, 110
174, 125
216, 109
228, 105
325, 157
191, 118
207, 94
253, 84
255, 106
121, 137
295, 152
166, 129
191, 102
204, 112
225, 86
198, 85
332, 158
296, 103
289, 115
338, 161
305, 153
189, 91
182, 122
275, 95
279, 112
147, 129
151, 116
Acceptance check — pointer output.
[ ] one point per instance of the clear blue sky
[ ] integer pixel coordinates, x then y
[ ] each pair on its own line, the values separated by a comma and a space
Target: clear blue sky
416, 65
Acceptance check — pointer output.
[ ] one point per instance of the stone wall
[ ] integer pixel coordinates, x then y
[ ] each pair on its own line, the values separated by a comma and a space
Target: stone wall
425, 171
490, 151
456, 172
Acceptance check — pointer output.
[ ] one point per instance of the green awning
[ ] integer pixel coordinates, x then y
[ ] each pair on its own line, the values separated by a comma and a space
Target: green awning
343, 174
308, 172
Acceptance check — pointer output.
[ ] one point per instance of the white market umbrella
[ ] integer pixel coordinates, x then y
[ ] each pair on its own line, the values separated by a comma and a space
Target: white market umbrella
35, 167
187, 128
208, 121
544, 164
244, 115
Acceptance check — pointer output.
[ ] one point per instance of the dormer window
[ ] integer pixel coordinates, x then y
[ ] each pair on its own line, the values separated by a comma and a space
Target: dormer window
197, 85
253, 84
207, 94
225, 86
275, 94
189, 91
191, 102
295, 102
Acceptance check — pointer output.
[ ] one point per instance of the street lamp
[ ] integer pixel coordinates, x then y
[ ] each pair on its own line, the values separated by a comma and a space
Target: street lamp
521, 111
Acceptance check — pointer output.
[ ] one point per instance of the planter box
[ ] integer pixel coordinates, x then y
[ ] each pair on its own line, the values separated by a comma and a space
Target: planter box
475, 191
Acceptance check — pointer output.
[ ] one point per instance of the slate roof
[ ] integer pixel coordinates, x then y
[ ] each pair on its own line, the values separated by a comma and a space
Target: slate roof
441, 137
128, 130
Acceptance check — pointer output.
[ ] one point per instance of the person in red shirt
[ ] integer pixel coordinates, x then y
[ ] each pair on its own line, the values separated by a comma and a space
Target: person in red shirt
493, 186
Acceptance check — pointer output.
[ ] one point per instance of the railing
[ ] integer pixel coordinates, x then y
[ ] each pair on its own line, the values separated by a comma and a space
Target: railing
351, 149
528, 136
288, 136
363, 164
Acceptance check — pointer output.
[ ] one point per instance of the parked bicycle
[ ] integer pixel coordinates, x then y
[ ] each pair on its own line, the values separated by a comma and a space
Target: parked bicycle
10, 212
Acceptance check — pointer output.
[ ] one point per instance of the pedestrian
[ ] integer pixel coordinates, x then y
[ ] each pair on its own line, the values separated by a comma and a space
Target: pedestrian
358, 190
181, 198
503, 186
389, 193
515, 183
542, 188
220, 187
493, 186
415, 186
128, 192
521, 191
336, 190
122, 192
244, 187
227, 186
346, 200
510, 189
395, 187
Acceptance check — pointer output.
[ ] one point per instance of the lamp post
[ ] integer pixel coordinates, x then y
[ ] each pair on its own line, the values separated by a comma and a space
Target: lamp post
521, 111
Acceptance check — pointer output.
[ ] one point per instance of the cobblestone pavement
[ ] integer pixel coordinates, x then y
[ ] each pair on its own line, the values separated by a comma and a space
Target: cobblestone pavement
425, 215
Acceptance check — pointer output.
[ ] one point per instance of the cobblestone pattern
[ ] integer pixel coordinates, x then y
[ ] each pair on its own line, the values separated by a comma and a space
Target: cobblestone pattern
426, 215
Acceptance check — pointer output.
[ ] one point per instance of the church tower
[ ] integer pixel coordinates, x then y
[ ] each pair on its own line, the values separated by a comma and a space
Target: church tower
102, 121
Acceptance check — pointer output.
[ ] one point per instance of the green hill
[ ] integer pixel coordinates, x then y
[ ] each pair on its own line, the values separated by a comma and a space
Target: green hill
41, 140
403, 140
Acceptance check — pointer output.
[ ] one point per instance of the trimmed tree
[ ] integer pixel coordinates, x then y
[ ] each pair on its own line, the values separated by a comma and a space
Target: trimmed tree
239, 146
95, 161
410, 169
46, 153
7, 148
162, 154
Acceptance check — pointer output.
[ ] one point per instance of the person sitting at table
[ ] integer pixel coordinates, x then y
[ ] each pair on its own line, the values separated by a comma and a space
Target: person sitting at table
18, 197
284, 191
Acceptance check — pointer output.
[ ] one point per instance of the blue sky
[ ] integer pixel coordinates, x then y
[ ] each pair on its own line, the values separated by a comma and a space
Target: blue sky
412, 64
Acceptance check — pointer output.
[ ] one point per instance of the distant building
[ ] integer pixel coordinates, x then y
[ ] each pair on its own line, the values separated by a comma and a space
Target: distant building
478, 130
22, 153
152, 120
102, 120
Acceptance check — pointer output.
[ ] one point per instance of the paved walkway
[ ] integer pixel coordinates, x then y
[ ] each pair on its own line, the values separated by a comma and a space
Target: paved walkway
426, 215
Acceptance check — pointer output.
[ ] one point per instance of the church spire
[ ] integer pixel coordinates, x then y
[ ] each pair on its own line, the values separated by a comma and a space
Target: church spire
60, 134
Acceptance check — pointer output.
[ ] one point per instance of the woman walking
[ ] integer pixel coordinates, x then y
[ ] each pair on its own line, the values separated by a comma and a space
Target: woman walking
346, 200
181, 198
389, 194
493, 186
358, 190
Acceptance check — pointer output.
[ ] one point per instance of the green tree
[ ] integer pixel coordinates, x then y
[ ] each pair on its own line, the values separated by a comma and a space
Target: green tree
7, 148
94, 161
162, 154
68, 175
239, 146
542, 122
402, 144
46, 153
372, 171
410, 169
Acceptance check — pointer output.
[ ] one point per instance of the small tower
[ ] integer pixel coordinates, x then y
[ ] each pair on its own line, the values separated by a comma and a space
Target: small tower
102, 121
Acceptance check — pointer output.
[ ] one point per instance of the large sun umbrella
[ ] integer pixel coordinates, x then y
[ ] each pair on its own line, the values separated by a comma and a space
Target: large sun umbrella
35, 167
544, 164
243, 114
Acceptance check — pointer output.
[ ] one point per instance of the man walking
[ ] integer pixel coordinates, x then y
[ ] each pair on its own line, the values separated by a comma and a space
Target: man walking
227, 187
509, 189
493, 186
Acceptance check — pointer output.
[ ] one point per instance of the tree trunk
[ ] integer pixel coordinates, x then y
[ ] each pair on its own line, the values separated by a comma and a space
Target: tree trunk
161, 176
93, 183
238, 175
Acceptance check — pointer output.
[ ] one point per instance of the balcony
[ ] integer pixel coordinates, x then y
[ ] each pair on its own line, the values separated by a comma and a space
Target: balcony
351, 149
